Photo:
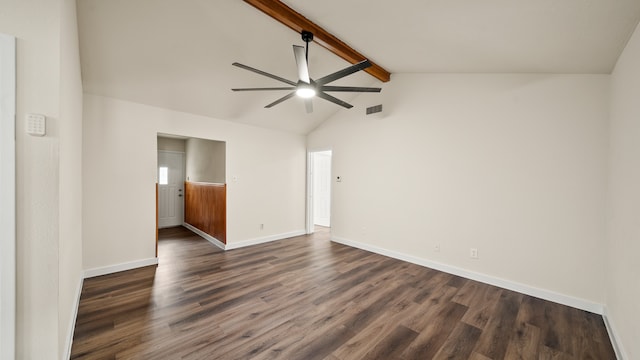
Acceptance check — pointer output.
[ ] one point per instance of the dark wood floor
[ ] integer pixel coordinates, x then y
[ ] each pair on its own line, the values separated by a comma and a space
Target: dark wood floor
308, 298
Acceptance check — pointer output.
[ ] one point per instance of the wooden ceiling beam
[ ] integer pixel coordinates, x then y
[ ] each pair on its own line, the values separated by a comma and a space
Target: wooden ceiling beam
295, 21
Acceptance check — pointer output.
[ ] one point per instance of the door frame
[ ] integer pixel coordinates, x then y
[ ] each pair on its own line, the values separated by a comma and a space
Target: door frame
309, 221
7, 196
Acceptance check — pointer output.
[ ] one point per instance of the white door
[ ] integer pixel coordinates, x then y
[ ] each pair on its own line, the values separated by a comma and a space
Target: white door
170, 188
322, 188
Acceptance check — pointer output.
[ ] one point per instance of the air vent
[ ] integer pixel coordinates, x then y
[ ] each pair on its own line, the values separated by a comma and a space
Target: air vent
374, 109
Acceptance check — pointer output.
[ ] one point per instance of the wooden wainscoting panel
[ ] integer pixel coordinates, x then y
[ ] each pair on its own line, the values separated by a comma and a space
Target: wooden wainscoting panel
205, 207
156, 219
220, 211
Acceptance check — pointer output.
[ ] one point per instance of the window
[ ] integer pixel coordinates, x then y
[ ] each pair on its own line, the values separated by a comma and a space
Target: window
163, 175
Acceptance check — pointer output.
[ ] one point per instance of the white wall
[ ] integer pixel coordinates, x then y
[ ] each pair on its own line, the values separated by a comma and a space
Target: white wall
47, 169
205, 161
35, 24
7, 196
171, 144
70, 199
623, 235
119, 175
513, 165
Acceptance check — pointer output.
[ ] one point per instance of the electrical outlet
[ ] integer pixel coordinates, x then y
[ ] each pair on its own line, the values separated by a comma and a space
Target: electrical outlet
436, 248
473, 253
261, 226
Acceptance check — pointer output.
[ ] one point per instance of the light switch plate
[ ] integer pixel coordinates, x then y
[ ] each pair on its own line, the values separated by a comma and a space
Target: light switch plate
36, 124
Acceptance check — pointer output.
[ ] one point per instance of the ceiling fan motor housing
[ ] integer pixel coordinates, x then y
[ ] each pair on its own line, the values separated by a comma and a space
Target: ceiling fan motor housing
307, 36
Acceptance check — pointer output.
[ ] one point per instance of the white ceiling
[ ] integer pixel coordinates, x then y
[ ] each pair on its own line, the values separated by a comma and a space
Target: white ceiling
178, 54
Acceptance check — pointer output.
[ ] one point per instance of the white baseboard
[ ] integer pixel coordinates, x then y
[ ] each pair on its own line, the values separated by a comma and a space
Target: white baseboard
487, 279
206, 236
74, 317
120, 267
244, 243
264, 239
154, 261
621, 354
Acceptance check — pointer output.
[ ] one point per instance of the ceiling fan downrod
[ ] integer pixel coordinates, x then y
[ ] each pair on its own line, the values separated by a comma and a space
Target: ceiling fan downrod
307, 37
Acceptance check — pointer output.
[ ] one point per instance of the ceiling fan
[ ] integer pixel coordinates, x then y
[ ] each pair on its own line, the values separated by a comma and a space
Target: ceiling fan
306, 87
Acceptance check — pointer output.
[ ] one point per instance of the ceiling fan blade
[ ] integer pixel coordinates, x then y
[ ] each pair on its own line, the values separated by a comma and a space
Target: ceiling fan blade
344, 72
301, 61
308, 105
334, 100
286, 97
265, 89
349, 89
275, 77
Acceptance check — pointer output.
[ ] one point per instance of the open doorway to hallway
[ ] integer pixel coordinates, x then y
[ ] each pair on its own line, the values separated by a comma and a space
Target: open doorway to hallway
319, 190
191, 181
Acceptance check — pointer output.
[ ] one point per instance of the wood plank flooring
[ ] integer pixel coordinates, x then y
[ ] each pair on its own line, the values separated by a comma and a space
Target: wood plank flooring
308, 298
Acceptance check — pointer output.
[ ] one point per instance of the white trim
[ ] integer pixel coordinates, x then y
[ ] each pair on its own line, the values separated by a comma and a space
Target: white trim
487, 279
119, 267
264, 239
309, 218
320, 149
172, 151
206, 236
621, 354
244, 243
74, 317
7, 197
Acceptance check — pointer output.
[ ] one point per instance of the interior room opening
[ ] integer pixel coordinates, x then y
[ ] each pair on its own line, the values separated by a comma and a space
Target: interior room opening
319, 204
191, 181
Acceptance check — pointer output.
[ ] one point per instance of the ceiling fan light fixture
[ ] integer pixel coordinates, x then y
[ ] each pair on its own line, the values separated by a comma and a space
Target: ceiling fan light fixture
306, 92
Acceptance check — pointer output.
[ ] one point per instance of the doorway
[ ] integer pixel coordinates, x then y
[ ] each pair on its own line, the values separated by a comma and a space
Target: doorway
319, 190
191, 187
170, 188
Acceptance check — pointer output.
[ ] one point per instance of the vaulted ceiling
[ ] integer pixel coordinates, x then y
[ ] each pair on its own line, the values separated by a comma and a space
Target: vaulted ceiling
177, 54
